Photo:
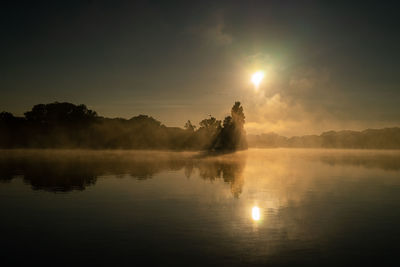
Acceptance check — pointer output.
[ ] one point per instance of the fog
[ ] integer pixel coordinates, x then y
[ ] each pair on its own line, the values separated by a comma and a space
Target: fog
66, 170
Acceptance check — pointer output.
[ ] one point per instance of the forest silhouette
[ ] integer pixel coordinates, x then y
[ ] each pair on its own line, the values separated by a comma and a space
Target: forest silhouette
386, 138
65, 125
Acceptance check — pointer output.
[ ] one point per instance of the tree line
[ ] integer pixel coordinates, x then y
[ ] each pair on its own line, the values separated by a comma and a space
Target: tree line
66, 125
387, 138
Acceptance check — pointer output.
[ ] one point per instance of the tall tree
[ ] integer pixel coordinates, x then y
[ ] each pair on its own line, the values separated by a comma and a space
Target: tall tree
189, 126
232, 136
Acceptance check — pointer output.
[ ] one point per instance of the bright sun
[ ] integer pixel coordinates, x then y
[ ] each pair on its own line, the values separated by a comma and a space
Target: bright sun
255, 213
257, 77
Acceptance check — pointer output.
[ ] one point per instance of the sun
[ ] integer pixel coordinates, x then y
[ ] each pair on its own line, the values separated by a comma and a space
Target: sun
255, 213
257, 77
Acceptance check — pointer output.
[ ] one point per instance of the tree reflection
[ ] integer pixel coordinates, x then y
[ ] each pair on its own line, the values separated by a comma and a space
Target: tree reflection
229, 168
59, 176
64, 171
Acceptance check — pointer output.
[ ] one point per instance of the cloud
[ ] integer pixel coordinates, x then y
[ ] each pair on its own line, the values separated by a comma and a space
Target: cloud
297, 102
284, 116
309, 101
216, 35
212, 32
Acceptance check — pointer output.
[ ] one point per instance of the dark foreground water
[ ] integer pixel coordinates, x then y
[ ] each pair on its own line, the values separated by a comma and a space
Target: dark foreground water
259, 207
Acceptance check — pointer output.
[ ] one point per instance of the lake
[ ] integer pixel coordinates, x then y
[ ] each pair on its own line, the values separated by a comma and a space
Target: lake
262, 207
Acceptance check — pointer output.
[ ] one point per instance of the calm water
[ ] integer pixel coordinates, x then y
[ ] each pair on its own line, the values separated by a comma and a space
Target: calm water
259, 207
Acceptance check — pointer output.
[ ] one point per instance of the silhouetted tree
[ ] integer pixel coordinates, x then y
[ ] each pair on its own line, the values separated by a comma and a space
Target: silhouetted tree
145, 120
60, 113
238, 120
189, 126
232, 136
208, 131
211, 124
6, 117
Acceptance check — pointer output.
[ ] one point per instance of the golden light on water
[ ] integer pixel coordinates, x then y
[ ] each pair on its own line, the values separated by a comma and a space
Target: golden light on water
255, 213
256, 78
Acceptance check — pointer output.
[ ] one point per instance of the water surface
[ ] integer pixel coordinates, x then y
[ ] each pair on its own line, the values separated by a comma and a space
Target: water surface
271, 207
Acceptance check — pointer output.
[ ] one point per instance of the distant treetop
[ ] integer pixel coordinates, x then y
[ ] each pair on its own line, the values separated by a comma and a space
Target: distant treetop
60, 112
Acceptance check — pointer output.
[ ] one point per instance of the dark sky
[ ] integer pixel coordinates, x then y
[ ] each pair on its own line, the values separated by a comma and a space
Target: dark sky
327, 65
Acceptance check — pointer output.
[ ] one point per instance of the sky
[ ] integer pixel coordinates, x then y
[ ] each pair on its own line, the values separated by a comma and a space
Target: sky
329, 65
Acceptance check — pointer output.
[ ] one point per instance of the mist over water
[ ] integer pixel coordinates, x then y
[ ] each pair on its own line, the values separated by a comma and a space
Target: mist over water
271, 207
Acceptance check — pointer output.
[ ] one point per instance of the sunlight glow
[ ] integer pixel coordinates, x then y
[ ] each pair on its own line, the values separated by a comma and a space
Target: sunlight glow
257, 77
255, 213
